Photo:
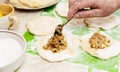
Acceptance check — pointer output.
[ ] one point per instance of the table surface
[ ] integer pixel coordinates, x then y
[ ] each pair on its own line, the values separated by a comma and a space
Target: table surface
35, 63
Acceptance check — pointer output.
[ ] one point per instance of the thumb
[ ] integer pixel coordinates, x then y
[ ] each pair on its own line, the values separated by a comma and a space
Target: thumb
88, 13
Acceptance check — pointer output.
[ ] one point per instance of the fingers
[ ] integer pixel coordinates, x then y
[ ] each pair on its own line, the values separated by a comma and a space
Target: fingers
71, 2
76, 6
99, 8
88, 14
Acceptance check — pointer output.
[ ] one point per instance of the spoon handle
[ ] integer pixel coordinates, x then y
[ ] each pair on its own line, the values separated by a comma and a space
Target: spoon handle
67, 22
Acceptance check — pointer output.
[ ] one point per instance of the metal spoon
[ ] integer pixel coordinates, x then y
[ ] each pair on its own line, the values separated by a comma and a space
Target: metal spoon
59, 28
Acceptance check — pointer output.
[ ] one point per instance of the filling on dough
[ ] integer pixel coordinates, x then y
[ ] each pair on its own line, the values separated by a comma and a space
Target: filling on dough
98, 41
56, 43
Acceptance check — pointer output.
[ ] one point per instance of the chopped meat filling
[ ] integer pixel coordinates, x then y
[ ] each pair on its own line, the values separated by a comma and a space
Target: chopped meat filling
56, 43
98, 41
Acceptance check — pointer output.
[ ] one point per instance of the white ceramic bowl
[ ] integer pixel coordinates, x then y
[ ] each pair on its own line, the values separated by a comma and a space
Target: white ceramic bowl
11, 67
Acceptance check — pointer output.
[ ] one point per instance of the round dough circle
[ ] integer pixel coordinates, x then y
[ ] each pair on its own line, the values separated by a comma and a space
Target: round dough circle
106, 23
62, 9
49, 55
105, 53
44, 25
37, 3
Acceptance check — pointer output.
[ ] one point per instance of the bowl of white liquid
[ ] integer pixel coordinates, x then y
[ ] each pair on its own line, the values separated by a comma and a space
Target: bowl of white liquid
12, 50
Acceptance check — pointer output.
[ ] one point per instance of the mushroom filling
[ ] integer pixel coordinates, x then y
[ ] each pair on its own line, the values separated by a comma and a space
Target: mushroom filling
56, 43
98, 41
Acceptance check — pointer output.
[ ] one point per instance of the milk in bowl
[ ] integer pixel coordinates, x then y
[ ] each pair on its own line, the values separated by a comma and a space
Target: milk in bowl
11, 51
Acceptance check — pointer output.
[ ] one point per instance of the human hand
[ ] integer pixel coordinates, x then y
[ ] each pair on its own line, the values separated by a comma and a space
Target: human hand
99, 8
